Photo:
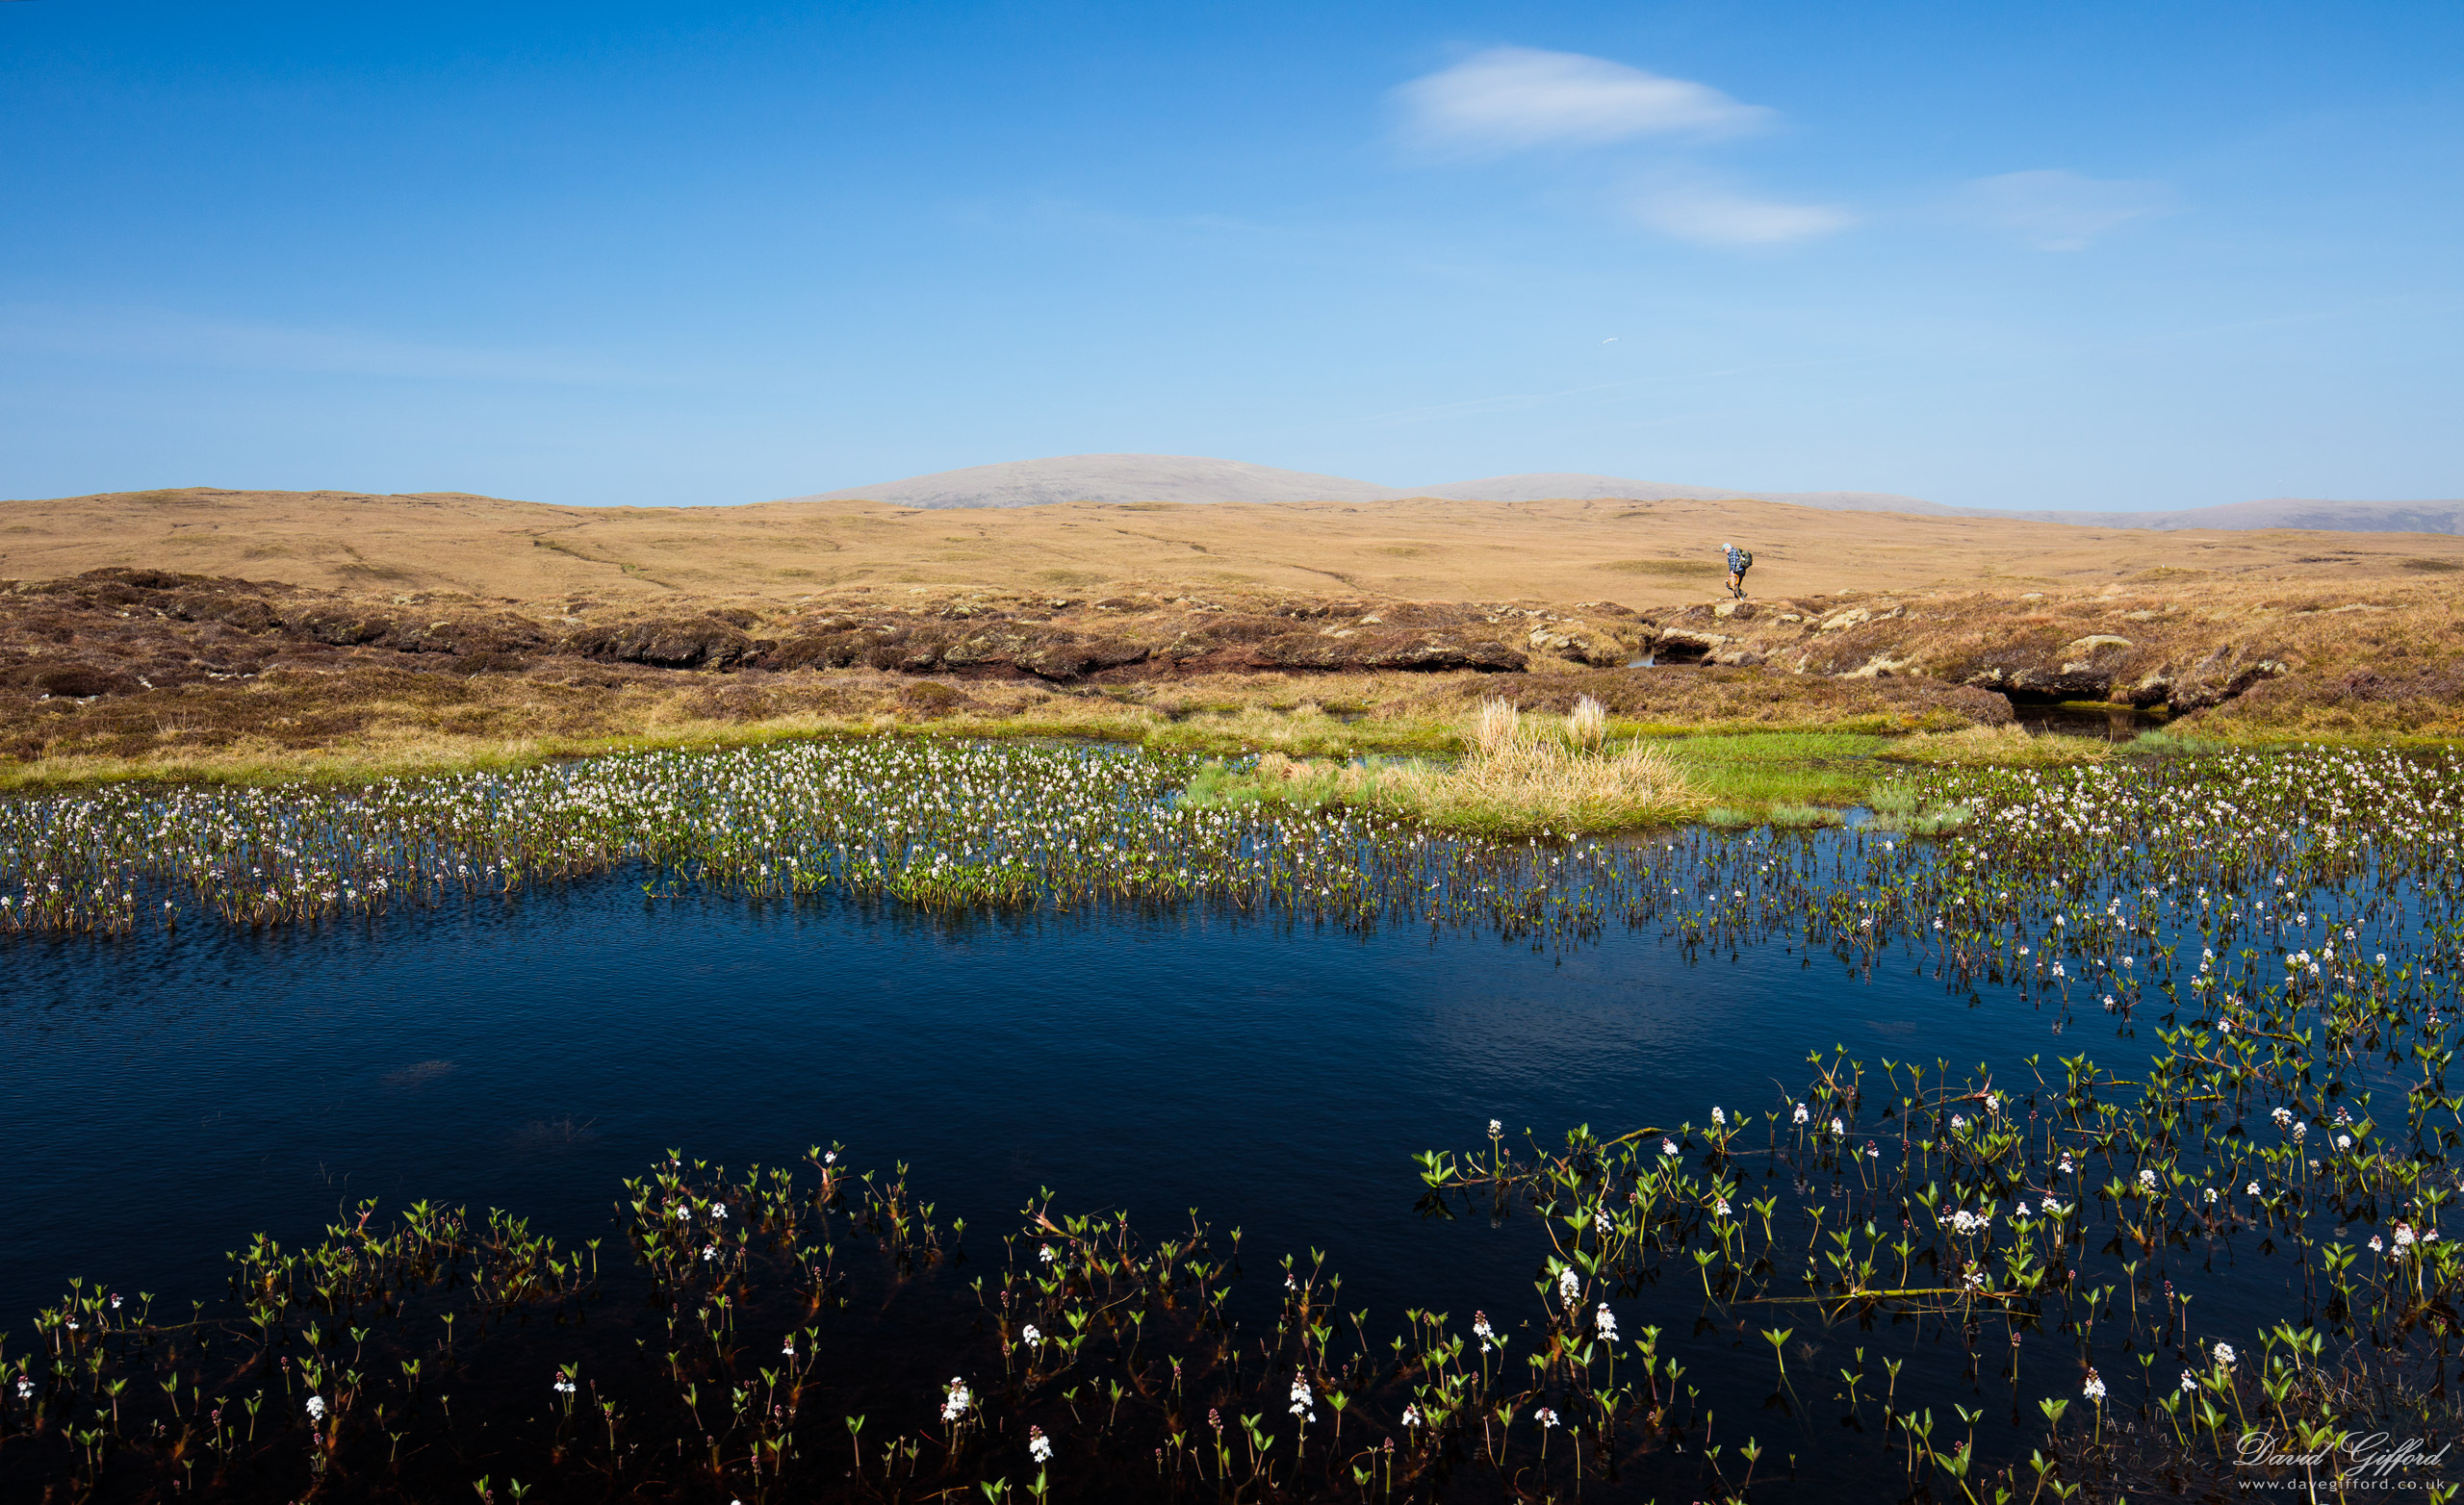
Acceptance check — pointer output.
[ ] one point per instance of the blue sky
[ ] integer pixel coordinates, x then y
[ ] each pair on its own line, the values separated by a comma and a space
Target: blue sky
2085, 255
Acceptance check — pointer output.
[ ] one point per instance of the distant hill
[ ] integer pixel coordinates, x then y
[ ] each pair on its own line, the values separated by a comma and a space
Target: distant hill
2291, 512
1193, 479
1551, 485
1114, 478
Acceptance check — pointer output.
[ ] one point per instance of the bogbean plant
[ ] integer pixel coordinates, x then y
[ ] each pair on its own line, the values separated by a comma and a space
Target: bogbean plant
739, 1355
2285, 928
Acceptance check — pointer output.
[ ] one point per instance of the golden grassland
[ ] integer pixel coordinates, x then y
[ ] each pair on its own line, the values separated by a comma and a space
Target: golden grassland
1652, 553
2365, 627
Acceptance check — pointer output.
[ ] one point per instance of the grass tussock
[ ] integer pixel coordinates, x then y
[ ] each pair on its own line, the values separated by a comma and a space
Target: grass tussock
1517, 774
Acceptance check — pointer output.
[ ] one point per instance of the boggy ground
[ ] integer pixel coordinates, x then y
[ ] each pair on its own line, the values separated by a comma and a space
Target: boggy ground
124, 671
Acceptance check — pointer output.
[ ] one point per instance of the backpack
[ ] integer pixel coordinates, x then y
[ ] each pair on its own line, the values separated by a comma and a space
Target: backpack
1744, 560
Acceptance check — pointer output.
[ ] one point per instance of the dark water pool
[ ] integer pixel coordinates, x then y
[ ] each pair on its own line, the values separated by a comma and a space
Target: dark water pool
169, 1096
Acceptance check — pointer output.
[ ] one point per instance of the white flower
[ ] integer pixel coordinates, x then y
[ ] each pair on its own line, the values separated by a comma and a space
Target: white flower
830, 1157
1300, 1400
2019, 1211
1029, 1336
1481, 1327
1411, 1416
1721, 1207
316, 1408
1958, 1124
2147, 1180
1604, 1322
788, 1348
2095, 1388
2225, 1355
1038, 1446
1668, 1147
955, 1404
1495, 1129
2067, 1168
2211, 1194
2051, 1208
2376, 1244
1719, 1118
1044, 1252
1838, 1127
1800, 1115
2190, 1381
2403, 1235
1545, 1416
1569, 1283
2252, 1190
564, 1387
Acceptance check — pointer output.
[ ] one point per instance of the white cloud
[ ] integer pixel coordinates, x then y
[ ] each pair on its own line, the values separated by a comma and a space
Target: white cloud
1709, 216
2054, 209
1513, 98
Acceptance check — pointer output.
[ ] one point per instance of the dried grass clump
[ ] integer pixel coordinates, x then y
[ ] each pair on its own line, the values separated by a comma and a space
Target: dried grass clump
1588, 725
1517, 774
1498, 728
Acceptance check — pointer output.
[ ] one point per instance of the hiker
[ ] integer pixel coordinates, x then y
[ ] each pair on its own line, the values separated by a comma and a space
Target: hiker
1740, 560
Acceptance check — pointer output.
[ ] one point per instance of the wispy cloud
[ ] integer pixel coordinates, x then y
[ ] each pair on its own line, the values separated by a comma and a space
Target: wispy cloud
1515, 98
2054, 209
157, 337
1510, 99
1708, 214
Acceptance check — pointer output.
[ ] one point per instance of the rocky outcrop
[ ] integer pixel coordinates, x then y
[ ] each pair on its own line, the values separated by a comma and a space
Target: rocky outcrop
1577, 639
702, 642
1377, 649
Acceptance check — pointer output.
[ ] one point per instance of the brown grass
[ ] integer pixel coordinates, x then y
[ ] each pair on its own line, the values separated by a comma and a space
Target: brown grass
1516, 774
1647, 554
2349, 636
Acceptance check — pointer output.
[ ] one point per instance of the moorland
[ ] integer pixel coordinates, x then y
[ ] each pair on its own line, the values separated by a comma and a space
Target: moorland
265, 634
